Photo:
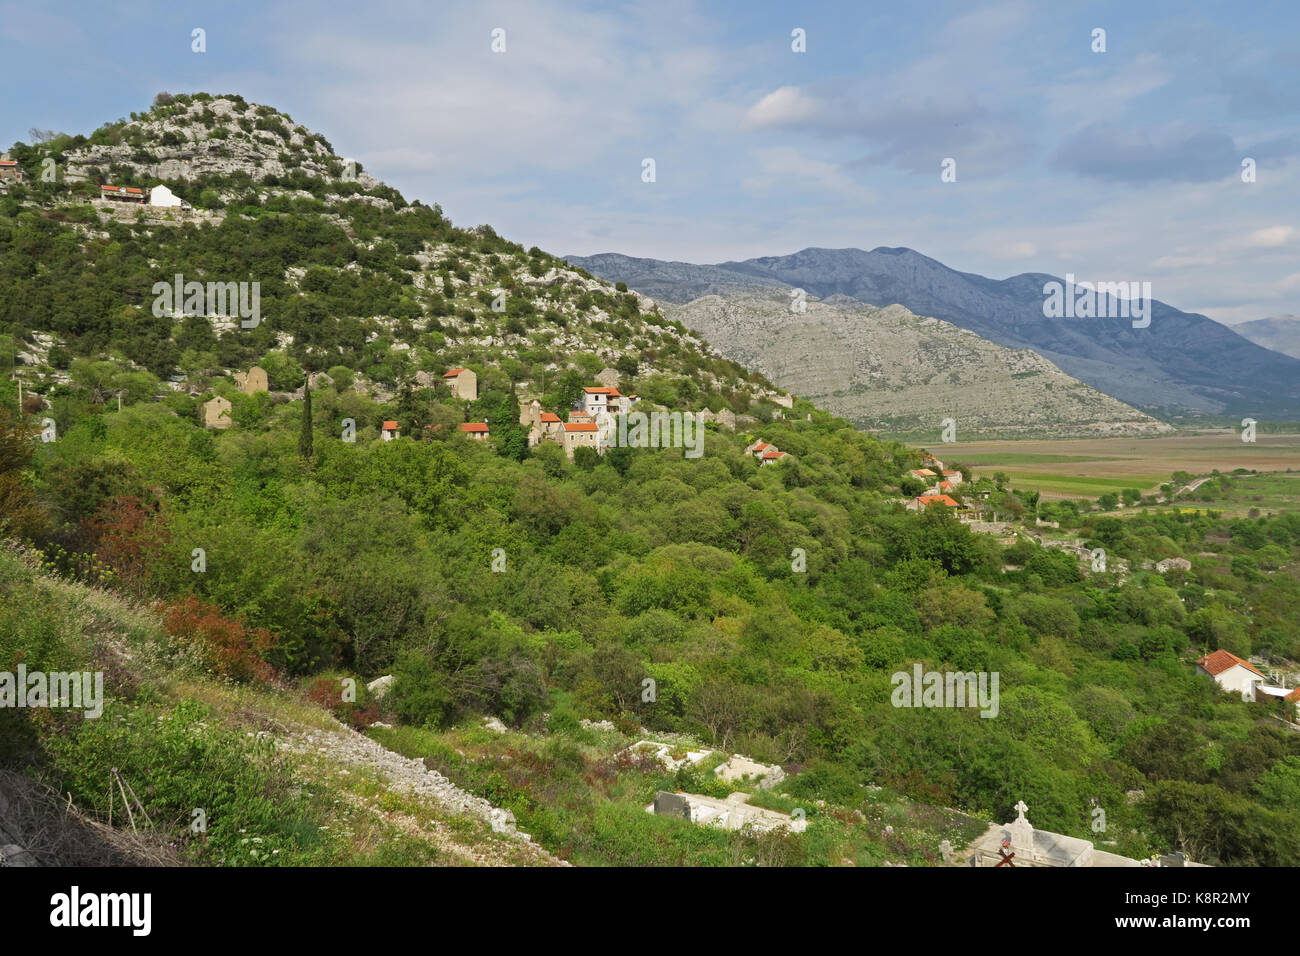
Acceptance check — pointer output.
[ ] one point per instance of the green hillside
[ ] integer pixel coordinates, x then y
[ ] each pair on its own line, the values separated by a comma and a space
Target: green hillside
768, 604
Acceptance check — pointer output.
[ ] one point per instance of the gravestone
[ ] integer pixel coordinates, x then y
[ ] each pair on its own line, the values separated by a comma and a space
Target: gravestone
672, 805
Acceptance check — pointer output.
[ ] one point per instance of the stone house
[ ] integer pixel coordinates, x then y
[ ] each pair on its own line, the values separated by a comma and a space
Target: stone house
252, 381
542, 426
953, 476
463, 382
922, 474
216, 413
581, 435
771, 457
9, 168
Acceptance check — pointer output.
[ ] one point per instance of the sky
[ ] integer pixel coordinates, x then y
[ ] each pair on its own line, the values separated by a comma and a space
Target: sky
1122, 165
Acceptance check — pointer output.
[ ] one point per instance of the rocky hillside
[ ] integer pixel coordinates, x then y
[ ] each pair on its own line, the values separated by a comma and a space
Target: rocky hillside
350, 274
891, 370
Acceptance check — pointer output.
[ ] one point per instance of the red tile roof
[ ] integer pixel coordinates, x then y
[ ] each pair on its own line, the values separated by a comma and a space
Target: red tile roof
8, 162
475, 427
1294, 696
579, 426
773, 455
938, 500
947, 486
952, 472
600, 391
390, 426
923, 473
1221, 660
759, 446
550, 417
453, 373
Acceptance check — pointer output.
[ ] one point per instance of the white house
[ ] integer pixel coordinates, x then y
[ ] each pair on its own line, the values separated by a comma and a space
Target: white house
390, 431
602, 399
162, 196
1231, 673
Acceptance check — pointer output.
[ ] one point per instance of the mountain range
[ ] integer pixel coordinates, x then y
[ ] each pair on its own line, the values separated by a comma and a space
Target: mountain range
1182, 366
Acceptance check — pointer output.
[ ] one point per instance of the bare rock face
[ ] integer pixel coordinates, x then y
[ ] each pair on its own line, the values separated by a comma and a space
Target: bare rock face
886, 368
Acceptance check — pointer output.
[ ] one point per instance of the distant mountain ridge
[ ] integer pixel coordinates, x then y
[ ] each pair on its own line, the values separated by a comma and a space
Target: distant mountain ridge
1183, 364
889, 370
1280, 333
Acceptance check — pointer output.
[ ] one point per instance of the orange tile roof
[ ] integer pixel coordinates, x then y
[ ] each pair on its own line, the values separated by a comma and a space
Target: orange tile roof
550, 417
453, 373
952, 472
474, 427
947, 486
923, 473
773, 455
579, 426
599, 390
760, 446
1294, 696
8, 162
1221, 660
390, 426
938, 499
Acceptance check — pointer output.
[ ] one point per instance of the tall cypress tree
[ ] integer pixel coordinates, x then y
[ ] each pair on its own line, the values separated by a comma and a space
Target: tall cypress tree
304, 436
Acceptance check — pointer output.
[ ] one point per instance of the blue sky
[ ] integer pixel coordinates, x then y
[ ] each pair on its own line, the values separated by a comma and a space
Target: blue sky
1123, 165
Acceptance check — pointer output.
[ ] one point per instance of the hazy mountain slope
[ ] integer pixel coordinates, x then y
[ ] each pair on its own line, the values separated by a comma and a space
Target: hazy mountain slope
889, 369
1183, 363
1280, 333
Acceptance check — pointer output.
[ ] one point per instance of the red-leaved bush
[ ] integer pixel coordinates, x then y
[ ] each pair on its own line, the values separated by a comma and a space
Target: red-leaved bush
227, 646
129, 538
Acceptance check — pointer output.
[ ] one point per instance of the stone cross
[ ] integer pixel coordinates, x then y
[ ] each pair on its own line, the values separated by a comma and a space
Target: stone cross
1020, 809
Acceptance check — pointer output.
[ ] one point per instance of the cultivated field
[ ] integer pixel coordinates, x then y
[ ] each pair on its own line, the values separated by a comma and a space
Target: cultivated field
1087, 468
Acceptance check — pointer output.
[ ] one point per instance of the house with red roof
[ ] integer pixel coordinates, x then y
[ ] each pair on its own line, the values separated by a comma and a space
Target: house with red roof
389, 431
922, 473
133, 194
955, 477
771, 456
581, 434
476, 430
1231, 673
9, 168
601, 398
921, 502
463, 382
